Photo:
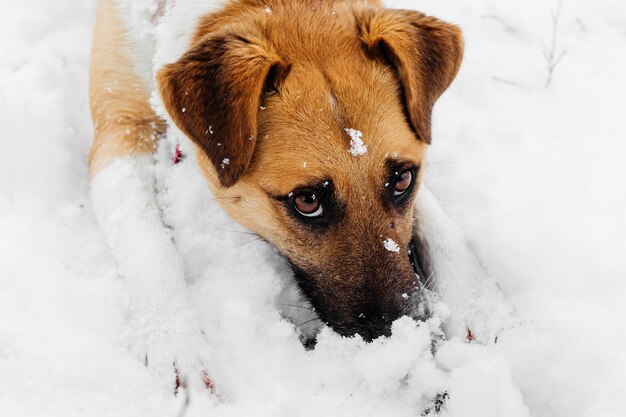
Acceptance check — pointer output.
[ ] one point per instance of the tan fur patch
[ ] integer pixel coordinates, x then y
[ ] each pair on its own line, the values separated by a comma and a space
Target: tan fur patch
124, 122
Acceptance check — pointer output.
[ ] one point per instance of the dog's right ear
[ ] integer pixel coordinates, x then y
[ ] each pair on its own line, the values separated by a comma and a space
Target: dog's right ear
214, 92
426, 53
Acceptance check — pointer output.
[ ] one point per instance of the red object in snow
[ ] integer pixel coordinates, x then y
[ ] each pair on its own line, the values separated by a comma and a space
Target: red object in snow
178, 154
470, 337
208, 383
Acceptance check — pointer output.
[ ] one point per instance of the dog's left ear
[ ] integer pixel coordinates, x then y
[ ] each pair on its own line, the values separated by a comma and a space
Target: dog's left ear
214, 93
425, 52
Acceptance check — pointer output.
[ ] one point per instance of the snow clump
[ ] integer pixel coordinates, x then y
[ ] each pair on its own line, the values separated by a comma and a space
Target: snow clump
357, 147
391, 245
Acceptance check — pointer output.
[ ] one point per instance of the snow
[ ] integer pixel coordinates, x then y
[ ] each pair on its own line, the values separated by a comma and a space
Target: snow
357, 146
391, 245
532, 176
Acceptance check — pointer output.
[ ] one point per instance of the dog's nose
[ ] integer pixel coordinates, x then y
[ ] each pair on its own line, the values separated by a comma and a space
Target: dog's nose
373, 331
371, 325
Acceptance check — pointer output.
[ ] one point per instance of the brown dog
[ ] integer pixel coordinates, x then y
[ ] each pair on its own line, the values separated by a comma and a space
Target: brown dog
279, 102
310, 117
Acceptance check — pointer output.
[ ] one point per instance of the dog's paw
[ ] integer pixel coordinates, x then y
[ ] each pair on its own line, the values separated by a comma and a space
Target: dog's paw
180, 367
175, 352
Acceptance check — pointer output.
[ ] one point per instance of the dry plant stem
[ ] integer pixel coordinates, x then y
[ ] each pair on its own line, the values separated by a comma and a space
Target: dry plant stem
552, 56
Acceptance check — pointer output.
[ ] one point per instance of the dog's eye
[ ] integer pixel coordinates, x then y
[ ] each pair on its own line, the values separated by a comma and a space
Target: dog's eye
403, 182
308, 205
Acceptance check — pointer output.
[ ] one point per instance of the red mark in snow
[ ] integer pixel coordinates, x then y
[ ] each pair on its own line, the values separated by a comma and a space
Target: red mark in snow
177, 382
208, 383
178, 154
470, 337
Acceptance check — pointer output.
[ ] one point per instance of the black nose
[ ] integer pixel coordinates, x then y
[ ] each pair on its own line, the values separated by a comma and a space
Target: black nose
375, 319
374, 331
372, 323
375, 328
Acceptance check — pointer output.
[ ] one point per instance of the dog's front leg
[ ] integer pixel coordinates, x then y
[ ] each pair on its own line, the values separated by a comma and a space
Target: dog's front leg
478, 309
167, 333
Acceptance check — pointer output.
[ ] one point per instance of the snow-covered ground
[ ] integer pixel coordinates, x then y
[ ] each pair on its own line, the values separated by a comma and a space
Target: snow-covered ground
534, 176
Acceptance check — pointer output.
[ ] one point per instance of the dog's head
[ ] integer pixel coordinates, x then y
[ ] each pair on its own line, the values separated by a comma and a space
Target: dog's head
311, 121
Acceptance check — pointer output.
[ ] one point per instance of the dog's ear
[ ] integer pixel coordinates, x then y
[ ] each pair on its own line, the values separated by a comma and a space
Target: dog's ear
214, 93
425, 52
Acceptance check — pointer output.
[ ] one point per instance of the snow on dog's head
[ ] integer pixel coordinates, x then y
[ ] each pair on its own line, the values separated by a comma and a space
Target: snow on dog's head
284, 110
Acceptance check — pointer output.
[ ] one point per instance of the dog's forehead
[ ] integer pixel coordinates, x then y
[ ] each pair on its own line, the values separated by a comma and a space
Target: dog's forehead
313, 30
338, 122
334, 96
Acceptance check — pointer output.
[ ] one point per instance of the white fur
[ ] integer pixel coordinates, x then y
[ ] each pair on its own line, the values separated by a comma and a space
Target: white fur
160, 31
473, 297
174, 31
140, 18
165, 326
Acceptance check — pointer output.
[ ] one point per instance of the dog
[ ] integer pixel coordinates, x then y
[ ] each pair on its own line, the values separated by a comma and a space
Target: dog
312, 119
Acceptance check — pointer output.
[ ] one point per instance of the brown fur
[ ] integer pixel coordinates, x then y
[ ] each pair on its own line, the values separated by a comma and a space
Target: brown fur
124, 122
236, 53
266, 97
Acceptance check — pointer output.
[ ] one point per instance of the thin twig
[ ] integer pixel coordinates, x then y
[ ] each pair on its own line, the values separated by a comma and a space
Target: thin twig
507, 27
505, 81
552, 56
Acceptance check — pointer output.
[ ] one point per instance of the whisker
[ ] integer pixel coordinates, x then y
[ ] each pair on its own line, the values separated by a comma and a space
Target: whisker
430, 279
245, 243
243, 232
293, 305
233, 200
225, 198
307, 321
